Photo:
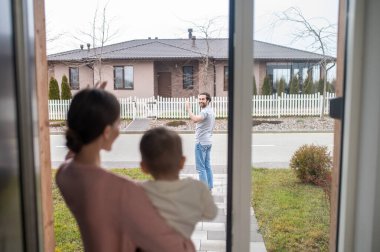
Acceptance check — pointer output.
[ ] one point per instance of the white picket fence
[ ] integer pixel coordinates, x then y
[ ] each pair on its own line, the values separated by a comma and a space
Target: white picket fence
174, 108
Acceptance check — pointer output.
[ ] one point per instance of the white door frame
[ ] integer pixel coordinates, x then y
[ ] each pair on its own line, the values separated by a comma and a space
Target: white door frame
359, 212
240, 125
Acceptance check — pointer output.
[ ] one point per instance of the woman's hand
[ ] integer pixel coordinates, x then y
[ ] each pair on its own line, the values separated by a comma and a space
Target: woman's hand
101, 85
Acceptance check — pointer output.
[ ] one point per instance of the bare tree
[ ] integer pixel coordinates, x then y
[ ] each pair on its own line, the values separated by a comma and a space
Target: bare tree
323, 39
207, 30
51, 35
100, 35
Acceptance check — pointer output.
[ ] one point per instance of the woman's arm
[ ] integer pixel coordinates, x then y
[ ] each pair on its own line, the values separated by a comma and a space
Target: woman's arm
147, 229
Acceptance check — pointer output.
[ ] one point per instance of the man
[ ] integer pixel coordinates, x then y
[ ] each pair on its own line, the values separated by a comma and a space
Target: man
203, 133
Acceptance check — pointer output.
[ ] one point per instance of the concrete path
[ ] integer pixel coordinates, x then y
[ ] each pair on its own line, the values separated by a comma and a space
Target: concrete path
140, 124
211, 235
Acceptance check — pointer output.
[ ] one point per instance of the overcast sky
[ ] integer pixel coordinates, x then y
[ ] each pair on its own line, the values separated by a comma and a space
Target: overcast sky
140, 19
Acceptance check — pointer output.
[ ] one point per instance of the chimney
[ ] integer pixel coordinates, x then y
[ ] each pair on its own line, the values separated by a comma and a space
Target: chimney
193, 38
190, 30
81, 47
88, 46
156, 38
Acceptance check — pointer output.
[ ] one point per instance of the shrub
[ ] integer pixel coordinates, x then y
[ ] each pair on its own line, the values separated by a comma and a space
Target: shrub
331, 86
53, 89
65, 89
254, 86
320, 86
308, 86
176, 123
266, 88
312, 164
294, 85
281, 87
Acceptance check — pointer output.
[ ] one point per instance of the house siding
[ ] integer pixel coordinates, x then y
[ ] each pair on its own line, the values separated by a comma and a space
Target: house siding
175, 68
143, 78
262, 71
85, 74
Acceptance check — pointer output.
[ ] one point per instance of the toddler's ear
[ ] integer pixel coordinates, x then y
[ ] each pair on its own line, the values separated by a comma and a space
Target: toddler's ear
182, 162
107, 132
143, 167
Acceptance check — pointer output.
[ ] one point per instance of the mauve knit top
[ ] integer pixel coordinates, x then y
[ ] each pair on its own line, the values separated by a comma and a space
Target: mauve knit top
114, 213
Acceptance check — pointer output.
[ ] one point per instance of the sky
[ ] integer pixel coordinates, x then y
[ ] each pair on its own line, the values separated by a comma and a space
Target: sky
68, 21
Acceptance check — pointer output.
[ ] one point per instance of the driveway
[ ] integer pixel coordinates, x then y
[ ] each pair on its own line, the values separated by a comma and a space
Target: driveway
272, 150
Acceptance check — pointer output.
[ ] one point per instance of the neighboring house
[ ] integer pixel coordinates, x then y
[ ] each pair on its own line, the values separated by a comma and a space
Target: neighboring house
175, 67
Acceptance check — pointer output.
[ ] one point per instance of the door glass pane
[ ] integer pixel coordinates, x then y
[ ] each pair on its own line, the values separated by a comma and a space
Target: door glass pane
128, 77
292, 133
11, 219
161, 57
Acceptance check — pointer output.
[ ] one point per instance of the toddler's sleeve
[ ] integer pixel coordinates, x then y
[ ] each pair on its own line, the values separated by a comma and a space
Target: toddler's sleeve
210, 209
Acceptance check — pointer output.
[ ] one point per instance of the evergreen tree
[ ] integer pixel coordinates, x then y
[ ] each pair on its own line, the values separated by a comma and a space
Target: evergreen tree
254, 86
281, 86
65, 89
266, 88
308, 86
331, 86
53, 89
294, 85
320, 86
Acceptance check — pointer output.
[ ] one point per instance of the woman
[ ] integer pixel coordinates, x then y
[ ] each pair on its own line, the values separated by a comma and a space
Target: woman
113, 213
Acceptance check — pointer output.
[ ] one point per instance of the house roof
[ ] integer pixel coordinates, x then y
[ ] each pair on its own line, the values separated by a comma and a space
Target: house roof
182, 49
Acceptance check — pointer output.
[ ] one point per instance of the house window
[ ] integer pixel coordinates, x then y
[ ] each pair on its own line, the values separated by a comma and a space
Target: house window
74, 77
225, 86
123, 77
188, 77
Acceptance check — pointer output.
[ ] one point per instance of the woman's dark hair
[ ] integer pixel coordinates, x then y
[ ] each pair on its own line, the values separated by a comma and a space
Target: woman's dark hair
91, 110
208, 96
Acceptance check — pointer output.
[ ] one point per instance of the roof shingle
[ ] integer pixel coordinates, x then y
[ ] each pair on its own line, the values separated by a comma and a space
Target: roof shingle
182, 48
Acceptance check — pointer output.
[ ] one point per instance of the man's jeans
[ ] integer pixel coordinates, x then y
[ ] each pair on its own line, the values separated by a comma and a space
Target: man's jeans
202, 163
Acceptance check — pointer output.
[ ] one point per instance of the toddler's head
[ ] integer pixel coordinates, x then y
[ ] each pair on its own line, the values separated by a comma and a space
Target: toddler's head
161, 153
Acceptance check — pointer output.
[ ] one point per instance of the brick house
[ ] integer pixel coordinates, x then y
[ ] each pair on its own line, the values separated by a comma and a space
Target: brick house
175, 67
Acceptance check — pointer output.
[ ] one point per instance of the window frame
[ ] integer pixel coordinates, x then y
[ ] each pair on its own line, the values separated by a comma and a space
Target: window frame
70, 79
225, 80
185, 79
123, 78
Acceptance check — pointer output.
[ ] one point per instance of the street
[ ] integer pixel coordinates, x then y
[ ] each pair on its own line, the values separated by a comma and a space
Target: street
272, 150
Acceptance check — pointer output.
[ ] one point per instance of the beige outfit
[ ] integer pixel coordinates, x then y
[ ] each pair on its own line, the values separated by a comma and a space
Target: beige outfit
182, 203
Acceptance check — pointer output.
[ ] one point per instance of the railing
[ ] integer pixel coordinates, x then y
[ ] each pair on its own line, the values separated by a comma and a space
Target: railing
174, 108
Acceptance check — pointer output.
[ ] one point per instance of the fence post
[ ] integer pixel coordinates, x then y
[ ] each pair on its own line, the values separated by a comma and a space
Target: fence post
279, 105
320, 105
134, 109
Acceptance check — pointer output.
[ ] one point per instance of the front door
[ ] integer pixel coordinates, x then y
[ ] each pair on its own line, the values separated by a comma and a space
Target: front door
164, 84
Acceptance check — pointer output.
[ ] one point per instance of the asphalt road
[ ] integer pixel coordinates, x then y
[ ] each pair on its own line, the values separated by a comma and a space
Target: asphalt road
271, 150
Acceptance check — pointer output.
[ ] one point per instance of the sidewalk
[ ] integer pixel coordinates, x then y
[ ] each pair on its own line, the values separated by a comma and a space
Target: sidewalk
211, 235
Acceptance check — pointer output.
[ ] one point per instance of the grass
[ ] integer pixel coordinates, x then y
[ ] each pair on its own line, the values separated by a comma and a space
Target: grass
292, 216
67, 236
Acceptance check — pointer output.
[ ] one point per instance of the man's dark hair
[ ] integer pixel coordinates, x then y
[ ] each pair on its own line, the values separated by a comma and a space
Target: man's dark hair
161, 150
208, 97
91, 110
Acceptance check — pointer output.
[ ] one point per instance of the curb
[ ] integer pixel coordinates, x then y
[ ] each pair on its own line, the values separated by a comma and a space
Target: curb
219, 132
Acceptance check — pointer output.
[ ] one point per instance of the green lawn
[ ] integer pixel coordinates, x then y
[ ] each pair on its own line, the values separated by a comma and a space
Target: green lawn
292, 216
